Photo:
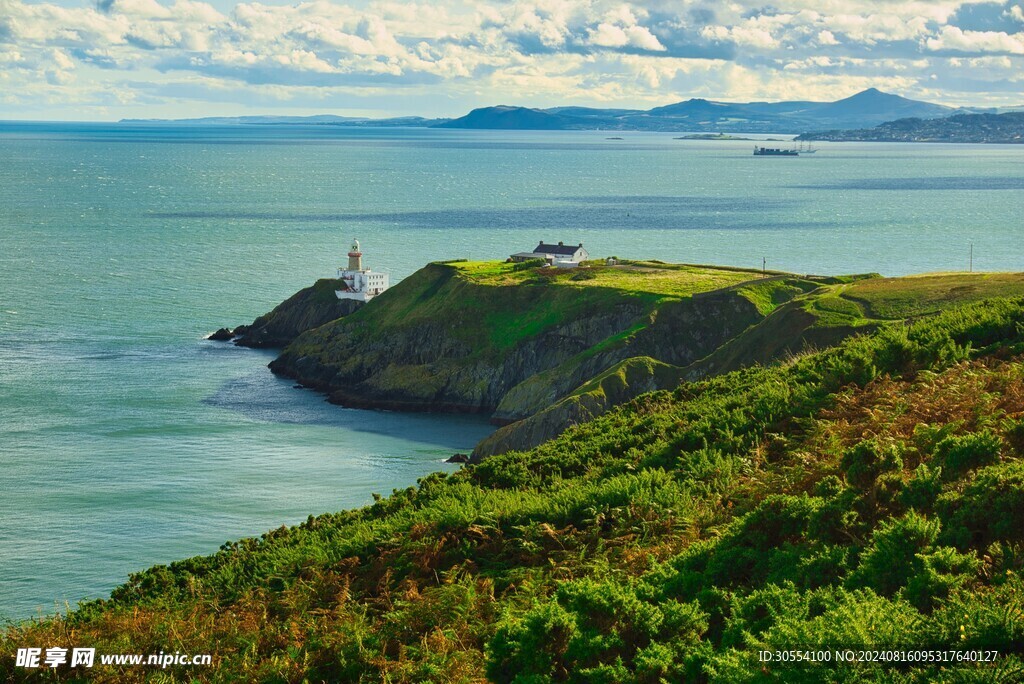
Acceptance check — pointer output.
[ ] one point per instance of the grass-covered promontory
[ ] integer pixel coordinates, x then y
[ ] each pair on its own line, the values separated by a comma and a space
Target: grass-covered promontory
465, 336
868, 496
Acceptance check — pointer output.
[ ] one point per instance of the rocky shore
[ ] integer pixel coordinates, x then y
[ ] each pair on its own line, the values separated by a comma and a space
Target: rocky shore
308, 308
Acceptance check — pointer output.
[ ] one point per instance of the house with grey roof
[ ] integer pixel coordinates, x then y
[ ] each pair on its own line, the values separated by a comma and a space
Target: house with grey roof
560, 255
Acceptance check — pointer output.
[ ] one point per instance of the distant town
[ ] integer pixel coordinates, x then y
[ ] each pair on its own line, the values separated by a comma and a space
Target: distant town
1005, 128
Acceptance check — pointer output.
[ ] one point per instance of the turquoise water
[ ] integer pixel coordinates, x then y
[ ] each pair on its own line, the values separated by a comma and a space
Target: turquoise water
127, 440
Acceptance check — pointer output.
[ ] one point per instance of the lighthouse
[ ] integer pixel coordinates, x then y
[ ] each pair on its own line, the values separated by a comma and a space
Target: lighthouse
355, 257
359, 283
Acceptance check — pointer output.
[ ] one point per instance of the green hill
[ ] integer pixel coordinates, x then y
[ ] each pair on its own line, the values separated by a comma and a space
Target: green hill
868, 496
464, 336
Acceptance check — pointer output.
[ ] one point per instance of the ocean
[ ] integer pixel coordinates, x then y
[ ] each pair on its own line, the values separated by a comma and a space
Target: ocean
127, 440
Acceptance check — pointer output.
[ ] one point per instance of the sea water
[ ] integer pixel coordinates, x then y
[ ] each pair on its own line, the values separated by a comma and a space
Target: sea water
127, 440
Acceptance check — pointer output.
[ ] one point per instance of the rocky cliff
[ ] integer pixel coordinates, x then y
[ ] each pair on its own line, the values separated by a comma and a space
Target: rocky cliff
308, 308
440, 341
508, 341
731, 337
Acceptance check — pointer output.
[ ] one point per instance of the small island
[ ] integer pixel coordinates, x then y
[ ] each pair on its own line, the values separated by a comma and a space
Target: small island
712, 136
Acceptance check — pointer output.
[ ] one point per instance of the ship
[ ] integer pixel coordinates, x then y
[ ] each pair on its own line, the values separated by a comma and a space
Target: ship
760, 151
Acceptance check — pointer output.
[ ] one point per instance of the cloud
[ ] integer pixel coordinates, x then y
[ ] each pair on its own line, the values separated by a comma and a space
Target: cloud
444, 57
610, 35
953, 39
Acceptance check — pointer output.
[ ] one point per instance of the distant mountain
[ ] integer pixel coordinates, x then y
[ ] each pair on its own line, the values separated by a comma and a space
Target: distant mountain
960, 128
872, 107
512, 118
697, 108
864, 109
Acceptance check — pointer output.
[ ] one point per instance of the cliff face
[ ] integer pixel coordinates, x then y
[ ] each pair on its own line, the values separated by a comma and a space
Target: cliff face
677, 332
439, 342
617, 385
733, 336
308, 308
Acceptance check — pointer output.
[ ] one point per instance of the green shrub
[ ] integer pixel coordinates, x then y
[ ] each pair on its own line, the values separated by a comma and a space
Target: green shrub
868, 459
532, 650
982, 617
923, 489
528, 264
942, 570
927, 436
990, 508
893, 556
826, 619
753, 614
1013, 431
593, 631
958, 454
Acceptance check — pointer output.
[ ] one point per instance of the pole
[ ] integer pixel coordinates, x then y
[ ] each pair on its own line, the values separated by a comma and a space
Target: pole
764, 266
972, 258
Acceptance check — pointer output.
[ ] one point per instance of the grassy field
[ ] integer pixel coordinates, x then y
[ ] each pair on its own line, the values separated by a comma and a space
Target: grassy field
669, 280
898, 298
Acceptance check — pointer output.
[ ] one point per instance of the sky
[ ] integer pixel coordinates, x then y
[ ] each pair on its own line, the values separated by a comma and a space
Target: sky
108, 59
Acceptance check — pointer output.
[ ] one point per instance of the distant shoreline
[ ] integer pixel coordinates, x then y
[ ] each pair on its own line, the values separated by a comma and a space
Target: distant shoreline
992, 129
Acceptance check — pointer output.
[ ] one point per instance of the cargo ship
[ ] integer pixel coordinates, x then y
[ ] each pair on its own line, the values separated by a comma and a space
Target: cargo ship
760, 151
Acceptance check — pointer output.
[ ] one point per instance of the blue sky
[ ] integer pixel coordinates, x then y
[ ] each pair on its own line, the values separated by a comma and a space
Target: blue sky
108, 59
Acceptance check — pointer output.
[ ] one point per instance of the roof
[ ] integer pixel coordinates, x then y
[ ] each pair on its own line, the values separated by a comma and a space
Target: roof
567, 250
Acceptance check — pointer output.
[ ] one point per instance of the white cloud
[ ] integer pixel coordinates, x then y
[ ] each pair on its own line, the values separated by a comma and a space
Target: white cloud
439, 58
826, 37
953, 38
609, 35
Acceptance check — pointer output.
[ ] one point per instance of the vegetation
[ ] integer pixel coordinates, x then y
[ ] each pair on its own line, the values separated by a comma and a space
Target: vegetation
899, 298
865, 496
461, 336
646, 277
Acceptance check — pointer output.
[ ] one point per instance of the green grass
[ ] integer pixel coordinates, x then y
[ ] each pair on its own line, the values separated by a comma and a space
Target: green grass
833, 310
898, 298
670, 280
768, 294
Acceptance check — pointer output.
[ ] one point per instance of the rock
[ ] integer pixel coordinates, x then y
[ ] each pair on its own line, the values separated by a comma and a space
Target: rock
458, 458
308, 308
222, 335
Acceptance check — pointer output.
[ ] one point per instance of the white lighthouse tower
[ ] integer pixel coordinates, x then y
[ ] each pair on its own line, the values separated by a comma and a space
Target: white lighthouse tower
360, 283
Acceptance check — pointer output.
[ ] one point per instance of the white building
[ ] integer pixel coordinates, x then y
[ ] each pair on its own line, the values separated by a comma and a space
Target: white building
560, 255
360, 283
